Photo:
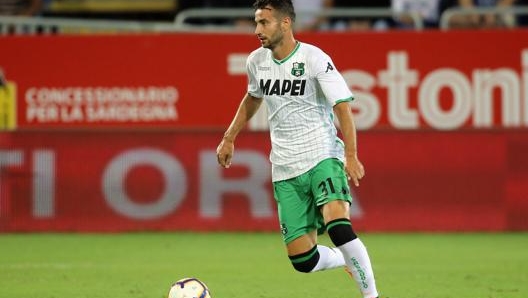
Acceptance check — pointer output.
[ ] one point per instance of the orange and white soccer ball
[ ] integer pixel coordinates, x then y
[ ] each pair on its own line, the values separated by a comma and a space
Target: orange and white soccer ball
189, 288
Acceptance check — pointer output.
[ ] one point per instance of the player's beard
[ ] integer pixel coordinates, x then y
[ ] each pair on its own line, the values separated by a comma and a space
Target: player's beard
274, 40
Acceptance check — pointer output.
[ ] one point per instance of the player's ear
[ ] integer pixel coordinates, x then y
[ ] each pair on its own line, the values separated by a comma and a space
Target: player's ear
286, 23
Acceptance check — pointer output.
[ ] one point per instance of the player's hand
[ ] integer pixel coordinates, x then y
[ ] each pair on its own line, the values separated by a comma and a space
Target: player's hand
224, 153
354, 169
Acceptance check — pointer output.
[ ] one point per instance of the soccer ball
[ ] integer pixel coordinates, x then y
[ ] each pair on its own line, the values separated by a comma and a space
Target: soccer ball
189, 288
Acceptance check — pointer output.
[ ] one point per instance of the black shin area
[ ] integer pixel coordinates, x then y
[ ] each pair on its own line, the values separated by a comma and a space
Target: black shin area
306, 261
340, 231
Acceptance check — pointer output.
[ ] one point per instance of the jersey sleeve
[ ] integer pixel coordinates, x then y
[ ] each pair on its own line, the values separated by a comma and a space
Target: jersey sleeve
253, 88
330, 80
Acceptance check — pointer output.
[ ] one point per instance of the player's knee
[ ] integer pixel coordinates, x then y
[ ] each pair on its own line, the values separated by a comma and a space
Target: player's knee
340, 231
305, 262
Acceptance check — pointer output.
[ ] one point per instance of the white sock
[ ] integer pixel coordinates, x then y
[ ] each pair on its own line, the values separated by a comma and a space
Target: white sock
329, 258
358, 262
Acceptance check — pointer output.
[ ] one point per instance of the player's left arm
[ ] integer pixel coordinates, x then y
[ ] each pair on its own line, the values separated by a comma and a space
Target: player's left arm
338, 94
353, 167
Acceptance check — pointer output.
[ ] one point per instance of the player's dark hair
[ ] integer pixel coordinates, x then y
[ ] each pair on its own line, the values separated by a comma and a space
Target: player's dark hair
284, 7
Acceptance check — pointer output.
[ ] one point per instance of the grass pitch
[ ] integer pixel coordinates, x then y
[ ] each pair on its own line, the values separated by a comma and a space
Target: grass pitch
138, 265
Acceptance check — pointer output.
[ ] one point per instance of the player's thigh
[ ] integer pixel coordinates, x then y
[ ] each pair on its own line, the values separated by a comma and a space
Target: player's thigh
330, 189
298, 214
302, 243
335, 210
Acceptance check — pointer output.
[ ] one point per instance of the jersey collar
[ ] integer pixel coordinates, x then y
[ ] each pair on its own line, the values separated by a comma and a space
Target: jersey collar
279, 62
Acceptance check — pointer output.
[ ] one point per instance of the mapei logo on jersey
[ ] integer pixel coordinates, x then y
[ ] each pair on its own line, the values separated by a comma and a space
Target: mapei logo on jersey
297, 69
283, 87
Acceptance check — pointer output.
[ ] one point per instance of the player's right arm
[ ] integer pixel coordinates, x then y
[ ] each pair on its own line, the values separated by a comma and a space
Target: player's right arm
247, 108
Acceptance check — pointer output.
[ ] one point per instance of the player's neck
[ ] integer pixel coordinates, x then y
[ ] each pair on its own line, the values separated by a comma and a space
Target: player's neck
285, 48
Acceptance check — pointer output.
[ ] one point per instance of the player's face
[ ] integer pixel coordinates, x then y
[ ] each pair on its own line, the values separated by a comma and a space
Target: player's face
269, 28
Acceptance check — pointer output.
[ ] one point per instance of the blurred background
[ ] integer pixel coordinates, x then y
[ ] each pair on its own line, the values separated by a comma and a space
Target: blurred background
111, 111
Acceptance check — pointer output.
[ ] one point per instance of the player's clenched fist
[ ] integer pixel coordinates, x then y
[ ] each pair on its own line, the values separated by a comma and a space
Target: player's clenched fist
224, 152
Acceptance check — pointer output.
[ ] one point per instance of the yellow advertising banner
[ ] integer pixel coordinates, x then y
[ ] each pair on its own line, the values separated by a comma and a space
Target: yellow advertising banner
8, 106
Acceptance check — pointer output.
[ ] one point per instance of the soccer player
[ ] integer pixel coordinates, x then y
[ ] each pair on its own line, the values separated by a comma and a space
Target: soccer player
303, 91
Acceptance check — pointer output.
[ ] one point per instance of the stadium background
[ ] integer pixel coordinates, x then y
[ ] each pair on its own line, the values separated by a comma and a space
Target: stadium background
117, 132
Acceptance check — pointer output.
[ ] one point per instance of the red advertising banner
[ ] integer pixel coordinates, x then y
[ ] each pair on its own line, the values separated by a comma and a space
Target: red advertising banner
118, 133
147, 180
402, 80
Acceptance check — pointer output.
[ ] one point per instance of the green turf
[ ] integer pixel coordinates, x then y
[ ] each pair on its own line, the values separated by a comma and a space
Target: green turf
255, 266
